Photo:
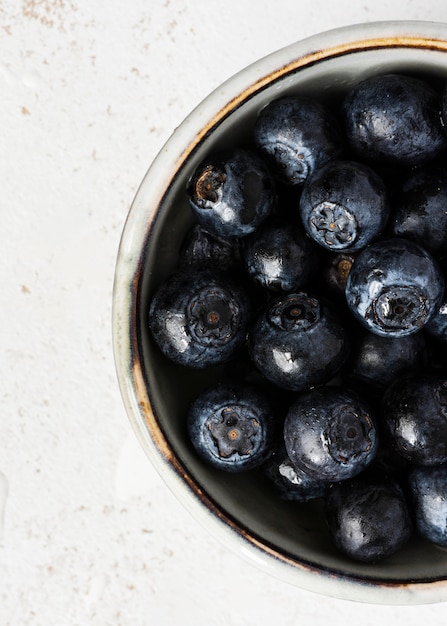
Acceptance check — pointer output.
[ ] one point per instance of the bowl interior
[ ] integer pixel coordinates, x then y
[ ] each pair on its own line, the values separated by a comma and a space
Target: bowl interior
294, 533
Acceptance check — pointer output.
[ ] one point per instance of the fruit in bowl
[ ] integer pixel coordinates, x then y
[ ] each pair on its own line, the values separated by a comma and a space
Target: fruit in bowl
282, 350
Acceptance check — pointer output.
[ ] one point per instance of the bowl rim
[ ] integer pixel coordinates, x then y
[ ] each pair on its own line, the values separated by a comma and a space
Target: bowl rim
144, 210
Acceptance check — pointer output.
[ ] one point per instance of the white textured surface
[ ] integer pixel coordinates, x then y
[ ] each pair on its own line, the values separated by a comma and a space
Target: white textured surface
89, 534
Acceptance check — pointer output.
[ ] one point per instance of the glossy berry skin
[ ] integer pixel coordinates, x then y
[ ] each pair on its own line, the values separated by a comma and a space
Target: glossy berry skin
232, 427
369, 520
279, 256
344, 206
437, 326
394, 118
394, 287
330, 434
290, 482
199, 319
419, 209
334, 271
428, 489
297, 135
377, 361
297, 342
415, 418
201, 249
231, 193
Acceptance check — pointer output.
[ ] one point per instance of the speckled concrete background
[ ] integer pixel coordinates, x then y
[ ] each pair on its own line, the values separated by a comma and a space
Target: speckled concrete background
89, 92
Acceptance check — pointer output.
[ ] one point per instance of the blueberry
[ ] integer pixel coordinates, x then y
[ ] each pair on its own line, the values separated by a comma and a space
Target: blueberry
297, 135
394, 118
428, 488
344, 205
415, 418
279, 256
232, 428
376, 361
368, 520
394, 287
297, 342
335, 269
290, 482
231, 193
201, 249
330, 433
419, 209
437, 325
199, 319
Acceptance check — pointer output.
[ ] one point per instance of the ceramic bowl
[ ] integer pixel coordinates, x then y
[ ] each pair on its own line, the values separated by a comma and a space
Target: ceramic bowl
288, 541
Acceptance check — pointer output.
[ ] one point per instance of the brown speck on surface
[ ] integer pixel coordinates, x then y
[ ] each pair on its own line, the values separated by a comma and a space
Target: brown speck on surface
50, 13
25, 289
25, 111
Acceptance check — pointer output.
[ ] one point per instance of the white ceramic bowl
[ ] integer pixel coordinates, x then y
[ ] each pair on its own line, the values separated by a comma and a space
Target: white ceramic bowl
289, 541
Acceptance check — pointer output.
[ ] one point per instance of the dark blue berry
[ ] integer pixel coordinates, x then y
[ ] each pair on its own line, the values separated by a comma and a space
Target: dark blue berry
394, 287
297, 135
297, 342
232, 427
330, 434
344, 206
437, 325
419, 209
199, 319
279, 256
368, 520
231, 193
394, 118
201, 249
290, 482
334, 271
415, 418
428, 488
376, 361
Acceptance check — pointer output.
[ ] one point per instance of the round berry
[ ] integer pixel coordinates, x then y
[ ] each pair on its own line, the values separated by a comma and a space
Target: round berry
297, 342
368, 520
428, 488
199, 319
280, 257
394, 118
344, 206
232, 427
419, 209
231, 193
297, 135
415, 418
394, 287
330, 434
376, 361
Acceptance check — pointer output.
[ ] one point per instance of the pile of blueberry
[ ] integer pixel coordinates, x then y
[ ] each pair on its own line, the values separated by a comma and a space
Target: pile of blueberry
313, 279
